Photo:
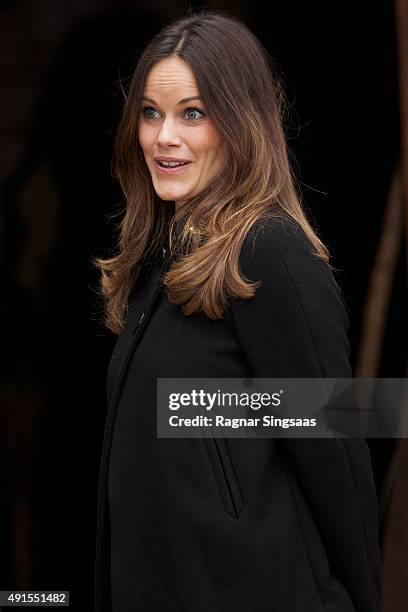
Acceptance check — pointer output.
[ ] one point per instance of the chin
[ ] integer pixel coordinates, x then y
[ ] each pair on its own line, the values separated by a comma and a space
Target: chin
167, 197
173, 197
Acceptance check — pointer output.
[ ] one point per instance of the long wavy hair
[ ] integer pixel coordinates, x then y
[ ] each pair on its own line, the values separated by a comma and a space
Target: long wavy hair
245, 99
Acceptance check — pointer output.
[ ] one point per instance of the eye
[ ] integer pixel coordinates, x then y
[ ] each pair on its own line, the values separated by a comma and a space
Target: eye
189, 111
148, 112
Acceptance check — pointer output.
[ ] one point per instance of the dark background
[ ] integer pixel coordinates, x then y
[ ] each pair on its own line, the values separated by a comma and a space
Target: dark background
60, 67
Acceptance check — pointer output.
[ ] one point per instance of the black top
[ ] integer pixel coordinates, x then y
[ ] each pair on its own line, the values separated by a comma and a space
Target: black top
233, 524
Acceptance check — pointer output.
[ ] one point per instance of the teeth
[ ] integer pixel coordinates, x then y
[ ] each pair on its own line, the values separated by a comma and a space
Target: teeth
171, 164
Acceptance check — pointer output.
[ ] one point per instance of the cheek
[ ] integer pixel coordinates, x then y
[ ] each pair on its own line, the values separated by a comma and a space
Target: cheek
215, 153
208, 143
146, 138
214, 144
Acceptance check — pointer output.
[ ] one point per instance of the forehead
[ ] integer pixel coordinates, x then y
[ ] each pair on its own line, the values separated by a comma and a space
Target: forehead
170, 75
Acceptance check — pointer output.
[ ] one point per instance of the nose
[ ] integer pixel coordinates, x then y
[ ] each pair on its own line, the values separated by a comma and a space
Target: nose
168, 133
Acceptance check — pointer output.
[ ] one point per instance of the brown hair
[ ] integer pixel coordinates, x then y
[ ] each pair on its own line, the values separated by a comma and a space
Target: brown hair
245, 100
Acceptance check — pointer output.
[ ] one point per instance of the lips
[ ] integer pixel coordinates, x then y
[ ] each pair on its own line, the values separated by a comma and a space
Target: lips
171, 159
172, 169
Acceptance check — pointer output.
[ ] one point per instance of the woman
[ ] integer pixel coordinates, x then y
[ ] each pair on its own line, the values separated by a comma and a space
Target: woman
219, 274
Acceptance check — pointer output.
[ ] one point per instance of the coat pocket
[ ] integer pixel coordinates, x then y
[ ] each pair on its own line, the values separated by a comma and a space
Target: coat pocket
225, 476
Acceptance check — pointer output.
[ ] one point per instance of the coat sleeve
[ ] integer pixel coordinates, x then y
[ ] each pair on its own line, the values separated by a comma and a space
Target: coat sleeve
296, 326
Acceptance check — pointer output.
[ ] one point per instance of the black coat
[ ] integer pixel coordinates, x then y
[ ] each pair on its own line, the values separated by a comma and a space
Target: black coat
235, 525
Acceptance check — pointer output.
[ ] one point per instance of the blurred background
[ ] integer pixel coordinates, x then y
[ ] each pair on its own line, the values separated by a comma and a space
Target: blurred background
346, 78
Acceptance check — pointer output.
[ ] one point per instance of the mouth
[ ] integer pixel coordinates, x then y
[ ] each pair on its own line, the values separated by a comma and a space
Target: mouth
171, 169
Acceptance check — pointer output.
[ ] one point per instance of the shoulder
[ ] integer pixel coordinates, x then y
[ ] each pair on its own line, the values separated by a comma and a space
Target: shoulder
277, 252
277, 239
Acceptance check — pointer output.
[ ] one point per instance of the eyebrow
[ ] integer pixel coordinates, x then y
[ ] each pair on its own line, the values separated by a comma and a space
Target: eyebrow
183, 101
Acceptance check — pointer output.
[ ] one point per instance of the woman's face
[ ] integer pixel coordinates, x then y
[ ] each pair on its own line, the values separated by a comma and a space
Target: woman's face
172, 127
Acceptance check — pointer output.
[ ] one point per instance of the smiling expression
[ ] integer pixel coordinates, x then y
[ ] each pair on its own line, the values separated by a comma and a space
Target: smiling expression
172, 125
